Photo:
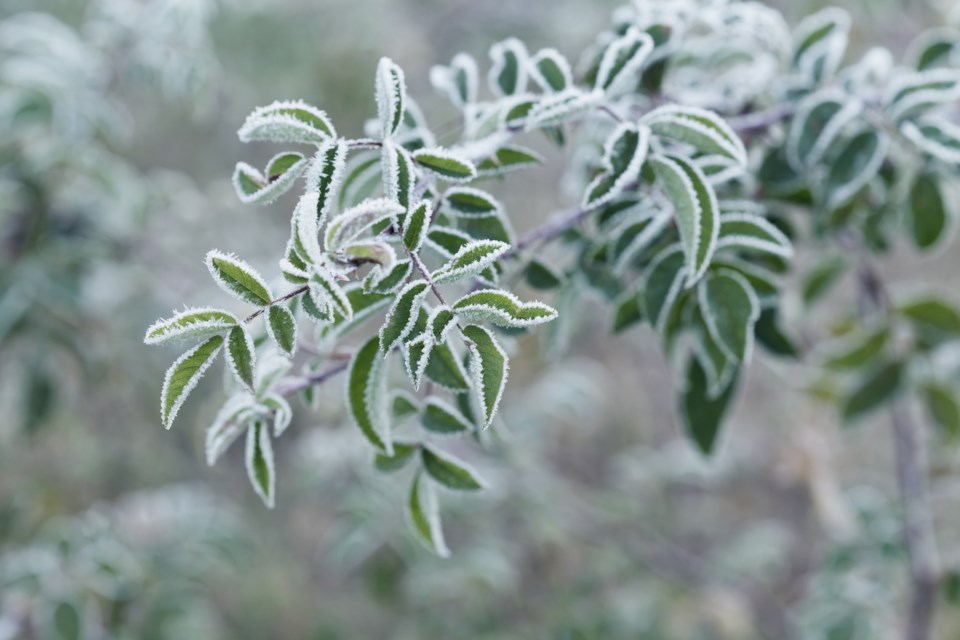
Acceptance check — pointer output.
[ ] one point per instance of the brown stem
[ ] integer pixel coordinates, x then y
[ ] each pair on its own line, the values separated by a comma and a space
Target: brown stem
293, 385
260, 311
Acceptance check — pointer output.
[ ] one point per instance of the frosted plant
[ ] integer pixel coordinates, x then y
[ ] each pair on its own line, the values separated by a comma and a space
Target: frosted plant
711, 142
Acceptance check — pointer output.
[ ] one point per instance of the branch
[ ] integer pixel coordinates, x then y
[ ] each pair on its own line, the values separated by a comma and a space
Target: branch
293, 385
260, 311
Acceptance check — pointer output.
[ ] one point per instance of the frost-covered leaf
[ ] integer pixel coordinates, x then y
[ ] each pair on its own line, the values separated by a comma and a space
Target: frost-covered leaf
238, 278
488, 368
362, 177
912, 93
402, 316
936, 136
367, 395
416, 225
388, 281
557, 108
254, 187
857, 164
508, 74
927, 216
503, 309
403, 452
703, 129
365, 304
305, 231
201, 322
439, 417
327, 294
541, 275
932, 48
750, 232
228, 425
459, 81
696, 210
467, 201
508, 158
391, 91
730, 309
325, 175
372, 251
449, 471
242, 356
702, 414
416, 357
622, 61
820, 42
259, 462
353, 222
399, 174
424, 515
876, 388
183, 375
446, 370
440, 321
818, 122
551, 70
282, 412
665, 278
470, 260
446, 164
624, 154
282, 327
287, 121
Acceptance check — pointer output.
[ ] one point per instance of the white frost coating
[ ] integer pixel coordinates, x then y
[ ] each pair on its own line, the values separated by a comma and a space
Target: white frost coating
538, 159
347, 226
850, 109
719, 170
629, 175
779, 244
232, 362
834, 41
495, 205
427, 498
458, 267
282, 413
318, 166
275, 338
261, 435
375, 402
691, 118
267, 123
915, 97
181, 327
550, 55
613, 85
457, 415
843, 195
391, 93
432, 319
660, 322
415, 303
914, 133
415, 242
377, 275
476, 372
498, 55
444, 79
644, 239
214, 254
306, 228
391, 157
711, 321
358, 182
560, 107
448, 155
324, 286
227, 425
420, 366
268, 191
915, 49
507, 313
190, 386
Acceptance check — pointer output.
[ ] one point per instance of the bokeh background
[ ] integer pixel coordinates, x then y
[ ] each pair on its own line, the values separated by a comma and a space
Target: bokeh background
117, 141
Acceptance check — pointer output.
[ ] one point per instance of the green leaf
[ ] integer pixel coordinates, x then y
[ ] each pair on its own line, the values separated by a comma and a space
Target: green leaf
459, 81
506, 159
328, 296
467, 201
555, 109
624, 154
282, 327
424, 515
508, 75
941, 403
191, 323
282, 171
822, 278
927, 216
910, 93
241, 356
287, 121
541, 275
470, 260
665, 278
399, 175
445, 370
703, 129
856, 164
391, 94
440, 417
932, 48
876, 388
933, 318
819, 121
388, 281
259, 462
935, 136
402, 316
821, 40
503, 309
551, 70
627, 311
416, 225
702, 414
488, 368
440, 321
855, 352
403, 452
449, 471
417, 356
730, 309
366, 395
66, 620
353, 222
182, 377
749, 232
447, 165
238, 278
326, 175
229, 423
696, 210
771, 337
622, 61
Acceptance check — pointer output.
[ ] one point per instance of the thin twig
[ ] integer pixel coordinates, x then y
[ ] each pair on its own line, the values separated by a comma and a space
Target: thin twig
260, 311
293, 385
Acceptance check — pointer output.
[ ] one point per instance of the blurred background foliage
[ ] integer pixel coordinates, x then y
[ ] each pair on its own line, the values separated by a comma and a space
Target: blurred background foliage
117, 140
